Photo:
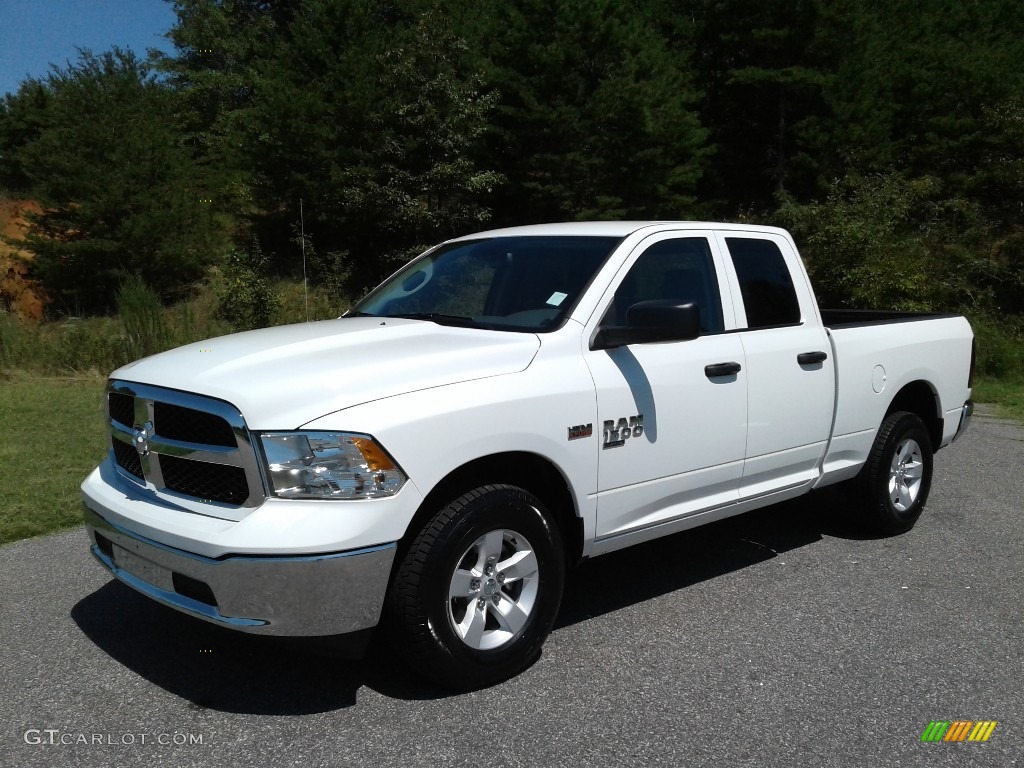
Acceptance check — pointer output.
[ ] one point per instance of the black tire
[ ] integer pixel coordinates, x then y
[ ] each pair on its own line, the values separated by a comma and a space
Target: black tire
897, 476
461, 642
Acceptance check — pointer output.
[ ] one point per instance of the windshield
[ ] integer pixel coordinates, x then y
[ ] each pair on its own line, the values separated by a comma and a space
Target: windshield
527, 283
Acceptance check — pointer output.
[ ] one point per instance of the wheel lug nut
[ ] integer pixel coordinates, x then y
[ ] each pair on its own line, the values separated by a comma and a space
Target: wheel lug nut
501, 578
496, 598
474, 584
481, 603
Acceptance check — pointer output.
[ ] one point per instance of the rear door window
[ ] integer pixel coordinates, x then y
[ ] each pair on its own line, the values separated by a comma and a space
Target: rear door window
765, 282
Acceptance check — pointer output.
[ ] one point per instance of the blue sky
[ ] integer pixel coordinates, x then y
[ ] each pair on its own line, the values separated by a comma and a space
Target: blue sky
37, 33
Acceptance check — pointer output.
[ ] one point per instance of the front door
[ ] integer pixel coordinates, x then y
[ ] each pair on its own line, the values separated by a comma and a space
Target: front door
673, 415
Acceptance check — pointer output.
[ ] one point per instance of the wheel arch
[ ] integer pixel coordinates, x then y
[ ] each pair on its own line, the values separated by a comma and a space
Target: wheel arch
920, 398
529, 471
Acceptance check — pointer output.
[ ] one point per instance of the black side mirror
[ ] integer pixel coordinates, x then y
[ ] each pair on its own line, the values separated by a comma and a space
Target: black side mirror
652, 321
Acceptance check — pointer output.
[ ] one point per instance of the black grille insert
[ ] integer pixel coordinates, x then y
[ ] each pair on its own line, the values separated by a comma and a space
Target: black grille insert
205, 481
178, 423
122, 408
127, 458
104, 545
194, 588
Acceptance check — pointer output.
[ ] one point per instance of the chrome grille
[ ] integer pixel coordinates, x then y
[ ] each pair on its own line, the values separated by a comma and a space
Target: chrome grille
192, 449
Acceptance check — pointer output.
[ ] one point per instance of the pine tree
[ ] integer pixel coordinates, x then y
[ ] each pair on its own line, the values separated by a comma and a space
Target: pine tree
596, 115
119, 194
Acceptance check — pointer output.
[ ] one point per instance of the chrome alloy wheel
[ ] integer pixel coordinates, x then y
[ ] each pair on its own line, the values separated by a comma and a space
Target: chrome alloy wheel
905, 474
493, 590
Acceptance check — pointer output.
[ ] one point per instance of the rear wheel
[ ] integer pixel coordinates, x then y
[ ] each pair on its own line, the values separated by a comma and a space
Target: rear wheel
477, 592
897, 477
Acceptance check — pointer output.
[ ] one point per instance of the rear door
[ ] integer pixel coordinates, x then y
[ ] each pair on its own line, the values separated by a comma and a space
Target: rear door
673, 426
790, 378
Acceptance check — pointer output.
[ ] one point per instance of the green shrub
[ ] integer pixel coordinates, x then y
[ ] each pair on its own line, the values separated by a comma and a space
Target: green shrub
98, 345
12, 337
999, 349
146, 330
247, 299
298, 305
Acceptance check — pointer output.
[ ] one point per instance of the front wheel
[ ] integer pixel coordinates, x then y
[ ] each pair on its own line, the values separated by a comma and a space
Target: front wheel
897, 477
478, 590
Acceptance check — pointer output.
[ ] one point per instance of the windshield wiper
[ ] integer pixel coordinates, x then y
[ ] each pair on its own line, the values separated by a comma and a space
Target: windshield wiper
437, 317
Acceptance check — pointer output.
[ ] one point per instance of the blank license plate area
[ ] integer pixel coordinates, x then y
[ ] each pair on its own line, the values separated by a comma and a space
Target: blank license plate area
141, 568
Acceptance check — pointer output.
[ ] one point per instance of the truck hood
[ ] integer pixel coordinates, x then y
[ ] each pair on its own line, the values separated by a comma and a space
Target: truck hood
284, 377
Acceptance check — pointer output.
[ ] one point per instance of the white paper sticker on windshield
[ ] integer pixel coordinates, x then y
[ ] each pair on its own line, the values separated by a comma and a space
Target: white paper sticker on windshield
557, 298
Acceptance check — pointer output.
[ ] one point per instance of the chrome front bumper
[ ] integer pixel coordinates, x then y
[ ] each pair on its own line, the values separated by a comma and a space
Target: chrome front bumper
301, 596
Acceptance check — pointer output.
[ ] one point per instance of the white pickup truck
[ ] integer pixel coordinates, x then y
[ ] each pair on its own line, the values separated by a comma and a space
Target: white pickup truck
502, 407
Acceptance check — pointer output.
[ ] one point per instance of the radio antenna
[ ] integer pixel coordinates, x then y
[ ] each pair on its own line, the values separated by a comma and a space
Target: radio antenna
302, 234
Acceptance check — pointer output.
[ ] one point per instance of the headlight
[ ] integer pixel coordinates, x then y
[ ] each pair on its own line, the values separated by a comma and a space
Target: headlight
329, 465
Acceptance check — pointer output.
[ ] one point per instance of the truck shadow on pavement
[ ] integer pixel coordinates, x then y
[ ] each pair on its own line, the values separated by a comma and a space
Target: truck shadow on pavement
675, 562
214, 668
211, 667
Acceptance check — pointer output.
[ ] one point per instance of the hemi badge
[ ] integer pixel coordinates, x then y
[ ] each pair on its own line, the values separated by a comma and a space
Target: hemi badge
581, 430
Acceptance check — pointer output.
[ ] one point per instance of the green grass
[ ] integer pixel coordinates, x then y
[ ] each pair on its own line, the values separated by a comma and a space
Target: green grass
1007, 395
53, 435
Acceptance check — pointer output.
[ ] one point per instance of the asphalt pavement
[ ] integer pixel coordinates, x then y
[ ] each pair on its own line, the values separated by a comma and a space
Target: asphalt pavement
784, 637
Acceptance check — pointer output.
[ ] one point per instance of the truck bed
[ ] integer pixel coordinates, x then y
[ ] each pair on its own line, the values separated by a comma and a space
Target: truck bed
876, 355
848, 318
